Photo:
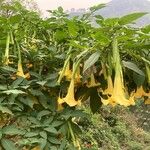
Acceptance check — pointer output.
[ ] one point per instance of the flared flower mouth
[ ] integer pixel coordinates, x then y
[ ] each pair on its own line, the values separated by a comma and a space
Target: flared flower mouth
92, 82
141, 93
118, 95
69, 99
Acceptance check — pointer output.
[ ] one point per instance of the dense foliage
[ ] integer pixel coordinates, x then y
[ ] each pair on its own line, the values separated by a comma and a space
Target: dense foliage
50, 66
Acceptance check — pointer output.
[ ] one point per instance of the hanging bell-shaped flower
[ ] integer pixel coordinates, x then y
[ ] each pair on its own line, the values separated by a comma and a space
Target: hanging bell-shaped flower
69, 99
118, 95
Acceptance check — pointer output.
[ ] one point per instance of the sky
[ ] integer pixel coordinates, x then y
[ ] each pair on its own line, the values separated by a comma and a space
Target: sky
67, 4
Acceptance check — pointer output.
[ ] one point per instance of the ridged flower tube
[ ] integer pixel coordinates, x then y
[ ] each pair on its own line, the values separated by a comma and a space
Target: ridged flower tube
118, 94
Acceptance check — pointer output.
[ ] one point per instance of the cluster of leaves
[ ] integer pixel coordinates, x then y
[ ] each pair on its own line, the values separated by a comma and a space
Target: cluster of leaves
33, 50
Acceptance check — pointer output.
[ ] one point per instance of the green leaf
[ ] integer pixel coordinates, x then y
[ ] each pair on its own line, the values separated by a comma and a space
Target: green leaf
17, 82
8, 144
42, 113
12, 130
31, 134
54, 140
3, 87
132, 66
91, 60
5, 110
43, 134
131, 17
138, 79
27, 101
51, 129
8, 92
97, 7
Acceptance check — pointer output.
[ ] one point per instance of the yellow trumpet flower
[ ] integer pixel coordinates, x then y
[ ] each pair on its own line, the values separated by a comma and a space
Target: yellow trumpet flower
118, 95
69, 99
21, 73
109, 89
140, 92
92, 82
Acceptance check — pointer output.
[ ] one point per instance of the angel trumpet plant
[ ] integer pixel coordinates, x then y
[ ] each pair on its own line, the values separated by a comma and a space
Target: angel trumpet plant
118, 95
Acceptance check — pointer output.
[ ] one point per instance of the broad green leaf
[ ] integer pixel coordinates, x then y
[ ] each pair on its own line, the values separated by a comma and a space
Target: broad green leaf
134, 67
5, 110
27, 101
12, 130
43, 134
17, 82
31, 134
42, 113
51, 129
91, 60
54, 140
8, 144
131, 17
138, 79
